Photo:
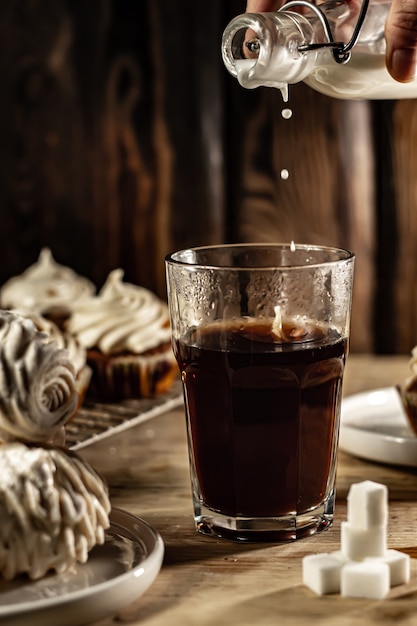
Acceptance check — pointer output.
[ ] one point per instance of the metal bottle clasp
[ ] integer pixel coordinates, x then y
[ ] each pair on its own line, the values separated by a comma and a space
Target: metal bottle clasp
341, 51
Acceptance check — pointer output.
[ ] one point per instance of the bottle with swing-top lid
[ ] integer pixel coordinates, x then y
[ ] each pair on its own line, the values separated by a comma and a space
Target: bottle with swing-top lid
337, 47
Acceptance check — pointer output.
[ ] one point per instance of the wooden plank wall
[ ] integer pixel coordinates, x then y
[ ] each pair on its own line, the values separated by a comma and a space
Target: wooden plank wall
123, 137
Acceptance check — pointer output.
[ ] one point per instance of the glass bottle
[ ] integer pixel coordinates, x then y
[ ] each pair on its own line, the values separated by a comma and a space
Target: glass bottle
305, 42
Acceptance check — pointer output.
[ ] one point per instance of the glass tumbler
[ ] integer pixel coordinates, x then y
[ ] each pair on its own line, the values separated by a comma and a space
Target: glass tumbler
260, 333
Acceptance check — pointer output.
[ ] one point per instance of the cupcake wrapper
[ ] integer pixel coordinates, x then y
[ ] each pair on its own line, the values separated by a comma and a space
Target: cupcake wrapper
130, 376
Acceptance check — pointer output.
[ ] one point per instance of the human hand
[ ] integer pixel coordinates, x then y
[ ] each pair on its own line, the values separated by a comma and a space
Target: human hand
401, 38
400, 35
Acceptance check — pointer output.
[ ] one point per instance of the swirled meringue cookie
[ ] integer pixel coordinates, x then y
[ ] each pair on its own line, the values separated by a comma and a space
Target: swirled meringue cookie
37, 382
46, 287
53, 508
77, 354
125, 329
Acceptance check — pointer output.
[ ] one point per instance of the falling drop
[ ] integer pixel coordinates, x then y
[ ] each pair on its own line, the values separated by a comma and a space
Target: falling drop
286, 114
285, 174
284, 91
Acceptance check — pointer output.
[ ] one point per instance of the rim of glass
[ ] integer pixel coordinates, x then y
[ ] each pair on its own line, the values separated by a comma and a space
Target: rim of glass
344, 255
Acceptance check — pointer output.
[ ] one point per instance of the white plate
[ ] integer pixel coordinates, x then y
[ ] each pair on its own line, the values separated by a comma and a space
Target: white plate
374, 427
116, 574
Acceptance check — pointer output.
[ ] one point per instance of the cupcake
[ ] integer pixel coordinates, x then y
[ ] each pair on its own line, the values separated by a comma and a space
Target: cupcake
125, 330
46, 288
37, 383
54, 508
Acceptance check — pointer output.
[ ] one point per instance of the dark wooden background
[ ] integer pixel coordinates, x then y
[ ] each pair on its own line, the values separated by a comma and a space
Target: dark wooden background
123, 138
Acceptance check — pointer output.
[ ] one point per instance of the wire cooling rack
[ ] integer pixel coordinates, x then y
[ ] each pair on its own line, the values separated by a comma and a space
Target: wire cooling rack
95, 421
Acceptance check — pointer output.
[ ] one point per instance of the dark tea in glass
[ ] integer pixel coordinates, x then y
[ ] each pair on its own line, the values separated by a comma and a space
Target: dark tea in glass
262, 398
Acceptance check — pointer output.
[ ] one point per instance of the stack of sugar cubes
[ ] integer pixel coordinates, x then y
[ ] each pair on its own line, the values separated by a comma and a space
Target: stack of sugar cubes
364, 567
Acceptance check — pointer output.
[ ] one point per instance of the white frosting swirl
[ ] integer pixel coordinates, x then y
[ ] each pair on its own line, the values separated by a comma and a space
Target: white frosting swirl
122, 317
37, 382
53, 509
44, 286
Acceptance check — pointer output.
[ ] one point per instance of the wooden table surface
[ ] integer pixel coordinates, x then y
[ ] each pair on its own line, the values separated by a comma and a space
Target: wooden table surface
210, 582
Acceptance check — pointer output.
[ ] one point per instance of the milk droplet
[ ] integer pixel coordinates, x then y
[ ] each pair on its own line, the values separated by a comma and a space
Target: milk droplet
286, 113
284, 174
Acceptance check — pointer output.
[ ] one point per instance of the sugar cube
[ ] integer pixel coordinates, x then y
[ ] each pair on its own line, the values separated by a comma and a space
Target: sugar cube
365, 579
357, 543
321, 573
399, 565
367, 505
363, 567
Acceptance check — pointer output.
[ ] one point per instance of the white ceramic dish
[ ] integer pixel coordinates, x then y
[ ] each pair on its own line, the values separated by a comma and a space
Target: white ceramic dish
116, 574
374, 427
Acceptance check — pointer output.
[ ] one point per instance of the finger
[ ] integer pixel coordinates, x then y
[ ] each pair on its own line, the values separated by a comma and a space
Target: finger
401, 37
258, 6
262, 6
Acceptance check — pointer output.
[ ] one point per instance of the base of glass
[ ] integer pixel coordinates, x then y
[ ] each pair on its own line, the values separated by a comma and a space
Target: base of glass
264, 529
